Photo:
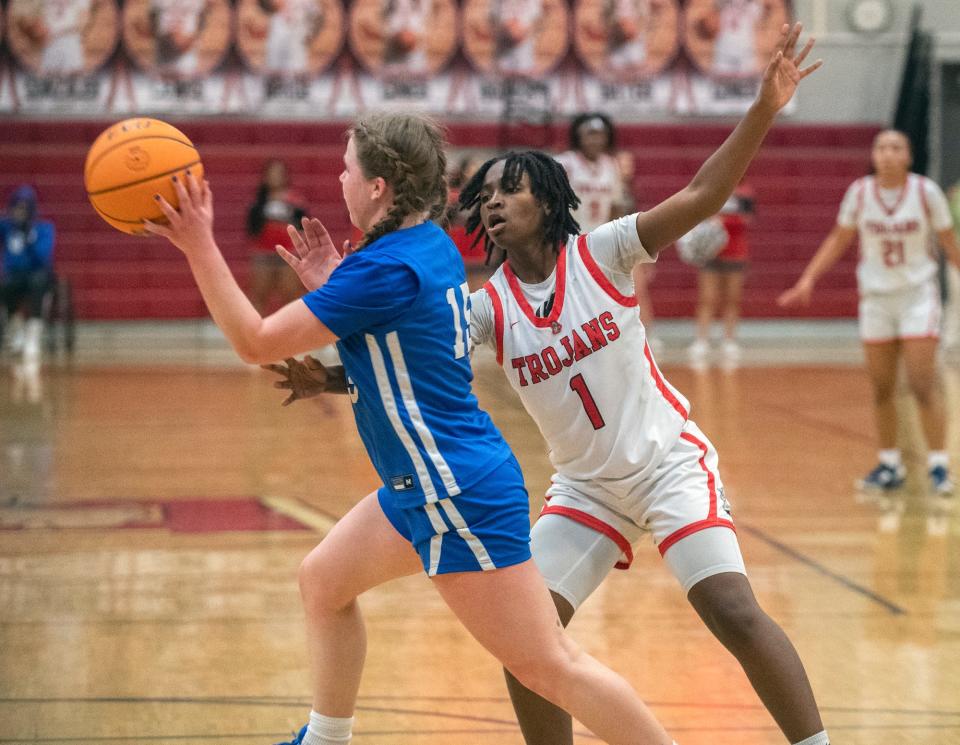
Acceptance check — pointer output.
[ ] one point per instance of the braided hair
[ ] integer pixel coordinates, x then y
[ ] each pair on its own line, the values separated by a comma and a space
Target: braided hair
548, 184
407, 151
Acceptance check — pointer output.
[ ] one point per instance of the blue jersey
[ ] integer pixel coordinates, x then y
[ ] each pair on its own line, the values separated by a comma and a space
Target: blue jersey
26, 248
400, 308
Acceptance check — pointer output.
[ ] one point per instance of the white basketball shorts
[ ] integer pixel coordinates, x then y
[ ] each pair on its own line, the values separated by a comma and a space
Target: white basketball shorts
583, 531
913, 313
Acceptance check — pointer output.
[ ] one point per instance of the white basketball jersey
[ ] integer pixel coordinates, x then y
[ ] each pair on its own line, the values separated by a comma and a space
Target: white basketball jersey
896, 240
586, 374
598, 185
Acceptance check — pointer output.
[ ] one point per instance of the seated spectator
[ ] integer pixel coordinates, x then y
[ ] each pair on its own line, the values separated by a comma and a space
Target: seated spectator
27, 267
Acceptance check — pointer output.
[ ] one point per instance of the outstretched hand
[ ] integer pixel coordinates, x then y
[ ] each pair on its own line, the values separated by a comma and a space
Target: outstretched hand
314, 257
190, 226
797, 296
303, 379
784, 73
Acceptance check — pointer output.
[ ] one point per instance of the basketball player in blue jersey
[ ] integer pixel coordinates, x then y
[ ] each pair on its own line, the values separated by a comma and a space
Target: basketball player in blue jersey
629, 460
453, 502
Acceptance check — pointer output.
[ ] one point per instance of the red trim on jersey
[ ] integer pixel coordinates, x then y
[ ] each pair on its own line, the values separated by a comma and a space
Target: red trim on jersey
628, 301
712, 519
711, 479
591, 521
923, 200
860, 195
891, 211
693, 528
661, 384
497, 318
560, 288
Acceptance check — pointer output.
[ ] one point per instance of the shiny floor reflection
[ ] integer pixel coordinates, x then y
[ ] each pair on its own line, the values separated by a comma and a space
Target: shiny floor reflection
152, 518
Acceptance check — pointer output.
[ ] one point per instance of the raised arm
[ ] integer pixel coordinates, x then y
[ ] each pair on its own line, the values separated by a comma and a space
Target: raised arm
293, 329
717, 178
830, 251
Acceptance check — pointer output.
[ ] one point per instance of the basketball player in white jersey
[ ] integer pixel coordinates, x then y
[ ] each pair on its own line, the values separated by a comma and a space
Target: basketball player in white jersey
293, 26
406, 24
604, 192
517, 24
177, 26
734, 49
63, 23
561, 318
897, 215
626, 38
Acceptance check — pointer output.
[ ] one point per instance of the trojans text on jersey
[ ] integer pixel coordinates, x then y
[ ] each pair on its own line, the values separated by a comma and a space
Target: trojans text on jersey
569, 348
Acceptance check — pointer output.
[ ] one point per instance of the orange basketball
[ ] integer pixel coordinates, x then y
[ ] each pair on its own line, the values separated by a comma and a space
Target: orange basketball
131, 162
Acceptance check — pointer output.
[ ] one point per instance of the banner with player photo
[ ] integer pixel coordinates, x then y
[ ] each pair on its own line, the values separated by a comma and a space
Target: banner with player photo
330, 59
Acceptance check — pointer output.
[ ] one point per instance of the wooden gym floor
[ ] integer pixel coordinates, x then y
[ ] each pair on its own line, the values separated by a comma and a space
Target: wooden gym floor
156, 500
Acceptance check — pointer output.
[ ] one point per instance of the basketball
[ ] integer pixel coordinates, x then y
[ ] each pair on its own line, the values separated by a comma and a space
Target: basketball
131, 162
703, 243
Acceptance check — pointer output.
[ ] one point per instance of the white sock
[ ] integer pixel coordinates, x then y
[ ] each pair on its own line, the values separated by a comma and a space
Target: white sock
328, 730
938, 458
890, 457
818, 739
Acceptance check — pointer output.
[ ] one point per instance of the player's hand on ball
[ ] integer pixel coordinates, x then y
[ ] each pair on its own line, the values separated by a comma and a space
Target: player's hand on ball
191, 227
784, 73
303, 379
315, 256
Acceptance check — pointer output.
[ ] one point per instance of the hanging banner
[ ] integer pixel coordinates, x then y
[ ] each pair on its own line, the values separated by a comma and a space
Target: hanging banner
523, 60
59, 47
286, 46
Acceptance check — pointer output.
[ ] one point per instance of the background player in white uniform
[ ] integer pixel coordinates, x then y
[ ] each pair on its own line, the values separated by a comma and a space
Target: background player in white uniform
177, 26
896, 214
605, 191
734, 49
517, 24
560, 315
293, 26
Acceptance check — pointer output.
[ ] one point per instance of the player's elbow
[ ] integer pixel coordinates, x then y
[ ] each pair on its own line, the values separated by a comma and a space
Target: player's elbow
251, 355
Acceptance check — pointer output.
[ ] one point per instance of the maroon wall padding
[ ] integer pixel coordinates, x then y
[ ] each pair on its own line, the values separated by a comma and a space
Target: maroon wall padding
799, 178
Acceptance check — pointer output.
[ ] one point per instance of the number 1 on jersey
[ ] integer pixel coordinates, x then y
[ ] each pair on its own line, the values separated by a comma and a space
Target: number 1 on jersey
579, 386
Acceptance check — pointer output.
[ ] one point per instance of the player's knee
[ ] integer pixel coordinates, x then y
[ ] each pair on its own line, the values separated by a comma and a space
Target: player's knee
550, 674
736, 620
883, 392
319, 589
922, 389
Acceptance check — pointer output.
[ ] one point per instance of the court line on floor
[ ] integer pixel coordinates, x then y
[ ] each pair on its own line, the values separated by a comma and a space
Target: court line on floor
360, 735
818, 423
290, 701
850, 584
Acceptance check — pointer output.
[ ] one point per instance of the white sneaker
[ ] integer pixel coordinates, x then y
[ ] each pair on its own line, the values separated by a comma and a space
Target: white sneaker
32, 336
731, 352
698, 352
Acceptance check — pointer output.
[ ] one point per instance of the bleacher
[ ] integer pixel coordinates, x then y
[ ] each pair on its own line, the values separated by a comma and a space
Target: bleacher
799, 178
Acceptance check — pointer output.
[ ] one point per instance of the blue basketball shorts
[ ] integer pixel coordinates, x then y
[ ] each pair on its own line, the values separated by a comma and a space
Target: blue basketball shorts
486, 526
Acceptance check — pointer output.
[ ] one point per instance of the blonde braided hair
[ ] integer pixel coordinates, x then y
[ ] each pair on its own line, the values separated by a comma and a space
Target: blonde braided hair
408, 152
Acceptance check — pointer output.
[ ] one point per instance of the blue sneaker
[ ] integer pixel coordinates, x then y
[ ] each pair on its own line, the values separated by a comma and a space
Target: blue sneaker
298, 739
883, 478
940, 482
